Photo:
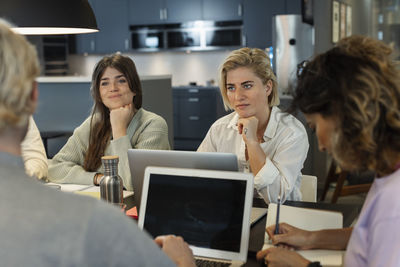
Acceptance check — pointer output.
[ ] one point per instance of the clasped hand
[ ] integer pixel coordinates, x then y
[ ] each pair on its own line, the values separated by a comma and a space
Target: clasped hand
247, 127
120, 119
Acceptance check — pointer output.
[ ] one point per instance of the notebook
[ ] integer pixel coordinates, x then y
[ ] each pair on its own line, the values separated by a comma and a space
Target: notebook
312, 220
139, 159
209, 209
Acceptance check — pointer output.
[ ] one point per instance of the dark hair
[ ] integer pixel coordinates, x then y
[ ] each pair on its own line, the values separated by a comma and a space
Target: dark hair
100, 126
358, 84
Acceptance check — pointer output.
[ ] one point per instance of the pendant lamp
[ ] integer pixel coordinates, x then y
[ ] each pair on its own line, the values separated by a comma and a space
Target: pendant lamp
40, 17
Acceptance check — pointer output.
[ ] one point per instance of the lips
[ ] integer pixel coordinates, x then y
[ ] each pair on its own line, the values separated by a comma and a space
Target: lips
114, 96
242, 106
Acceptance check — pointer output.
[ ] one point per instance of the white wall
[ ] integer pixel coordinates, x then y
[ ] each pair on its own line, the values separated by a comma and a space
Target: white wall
185, 67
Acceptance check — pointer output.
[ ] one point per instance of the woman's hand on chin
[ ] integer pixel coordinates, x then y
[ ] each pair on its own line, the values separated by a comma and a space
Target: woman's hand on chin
247, 127
120, 119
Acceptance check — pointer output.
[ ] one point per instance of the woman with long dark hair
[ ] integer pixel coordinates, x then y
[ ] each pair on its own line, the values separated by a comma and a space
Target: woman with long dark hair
118, 122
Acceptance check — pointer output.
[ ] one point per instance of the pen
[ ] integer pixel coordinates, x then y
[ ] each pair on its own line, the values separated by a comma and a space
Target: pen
277, 216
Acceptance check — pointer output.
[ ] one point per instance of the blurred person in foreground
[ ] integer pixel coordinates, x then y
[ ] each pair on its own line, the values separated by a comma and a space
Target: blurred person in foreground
269, 143
41, 226
350, 96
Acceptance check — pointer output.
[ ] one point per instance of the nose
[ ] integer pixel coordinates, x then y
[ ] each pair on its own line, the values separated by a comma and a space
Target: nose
239, 94
113, 87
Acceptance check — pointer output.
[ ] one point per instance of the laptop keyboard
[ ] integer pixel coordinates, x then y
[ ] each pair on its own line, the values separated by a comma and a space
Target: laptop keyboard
209, 263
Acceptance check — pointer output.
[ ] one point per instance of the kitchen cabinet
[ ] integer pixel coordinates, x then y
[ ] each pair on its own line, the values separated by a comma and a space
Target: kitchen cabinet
257, 19
195, 110
222, 10
182, 10
113, 24
163, 11
146, 12
178, 11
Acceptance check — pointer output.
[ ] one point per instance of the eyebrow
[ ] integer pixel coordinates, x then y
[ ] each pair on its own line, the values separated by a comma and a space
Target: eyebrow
241, 83
116, 77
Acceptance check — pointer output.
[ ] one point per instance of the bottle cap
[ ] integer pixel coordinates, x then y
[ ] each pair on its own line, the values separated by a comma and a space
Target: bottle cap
109, 157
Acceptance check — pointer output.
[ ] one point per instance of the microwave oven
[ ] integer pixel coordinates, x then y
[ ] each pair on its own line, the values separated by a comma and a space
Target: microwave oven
195, 35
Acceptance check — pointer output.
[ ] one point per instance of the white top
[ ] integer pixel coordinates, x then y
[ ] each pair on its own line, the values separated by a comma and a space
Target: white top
33, 152
286, 147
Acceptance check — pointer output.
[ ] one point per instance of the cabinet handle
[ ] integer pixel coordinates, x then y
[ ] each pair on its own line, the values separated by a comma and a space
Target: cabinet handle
193, 90
161, 13
92, 45
194, 118
240, 10
126, 44
193, 99
165, 14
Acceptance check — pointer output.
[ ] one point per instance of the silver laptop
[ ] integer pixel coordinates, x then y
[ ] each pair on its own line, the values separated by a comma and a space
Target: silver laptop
139, 159
209, 209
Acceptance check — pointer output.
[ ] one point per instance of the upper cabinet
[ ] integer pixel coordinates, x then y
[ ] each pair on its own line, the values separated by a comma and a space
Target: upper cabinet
146, 12
176, 11
222, 9
257, 19
113, 24
182, 10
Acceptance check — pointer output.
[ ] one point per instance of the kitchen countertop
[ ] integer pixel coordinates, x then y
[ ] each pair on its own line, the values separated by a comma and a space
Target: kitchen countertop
87, 79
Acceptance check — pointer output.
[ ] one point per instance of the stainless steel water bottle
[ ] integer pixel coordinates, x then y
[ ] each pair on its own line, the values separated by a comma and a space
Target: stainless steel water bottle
111, 185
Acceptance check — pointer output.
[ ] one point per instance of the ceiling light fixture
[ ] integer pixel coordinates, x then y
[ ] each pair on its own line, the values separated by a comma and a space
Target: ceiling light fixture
42, 17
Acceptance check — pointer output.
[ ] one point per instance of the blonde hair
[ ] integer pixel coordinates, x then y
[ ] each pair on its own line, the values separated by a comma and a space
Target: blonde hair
358, 84
18, 68
254, 59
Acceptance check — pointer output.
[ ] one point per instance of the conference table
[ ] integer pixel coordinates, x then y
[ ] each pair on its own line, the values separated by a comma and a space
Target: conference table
257, 231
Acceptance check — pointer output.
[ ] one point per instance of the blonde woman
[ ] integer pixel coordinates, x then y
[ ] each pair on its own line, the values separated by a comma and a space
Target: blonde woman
269, 143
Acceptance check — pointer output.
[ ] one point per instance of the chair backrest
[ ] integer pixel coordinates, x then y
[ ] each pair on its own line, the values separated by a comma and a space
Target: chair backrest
308, 188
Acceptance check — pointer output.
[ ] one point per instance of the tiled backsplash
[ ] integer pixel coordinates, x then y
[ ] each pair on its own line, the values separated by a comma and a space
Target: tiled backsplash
198, 67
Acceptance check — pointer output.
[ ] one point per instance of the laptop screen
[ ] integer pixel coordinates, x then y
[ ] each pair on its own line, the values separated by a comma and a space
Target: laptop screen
206, 212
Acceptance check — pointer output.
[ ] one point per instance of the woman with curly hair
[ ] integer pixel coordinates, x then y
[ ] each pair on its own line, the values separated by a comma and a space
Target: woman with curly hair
350, 96
118, 122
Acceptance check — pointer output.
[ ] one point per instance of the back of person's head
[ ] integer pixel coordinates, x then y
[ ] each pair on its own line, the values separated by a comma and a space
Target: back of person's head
127, 67
358, 85
18, 69
256, 60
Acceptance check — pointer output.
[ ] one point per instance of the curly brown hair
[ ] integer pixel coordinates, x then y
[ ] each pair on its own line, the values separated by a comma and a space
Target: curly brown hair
358, 84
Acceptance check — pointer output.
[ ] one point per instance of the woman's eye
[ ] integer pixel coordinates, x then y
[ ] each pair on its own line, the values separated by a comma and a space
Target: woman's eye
230, 88
122, 81
104, 84
248, 86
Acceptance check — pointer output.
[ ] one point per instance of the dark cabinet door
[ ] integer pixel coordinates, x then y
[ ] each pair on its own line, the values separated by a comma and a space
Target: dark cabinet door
257, 21
146, 12
112, 19
182, 10
222, 9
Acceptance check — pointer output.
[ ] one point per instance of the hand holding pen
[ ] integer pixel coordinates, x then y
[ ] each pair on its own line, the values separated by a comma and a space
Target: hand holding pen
290, 237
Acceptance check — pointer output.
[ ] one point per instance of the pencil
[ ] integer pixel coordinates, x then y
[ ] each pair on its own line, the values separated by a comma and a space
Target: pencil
277, 216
